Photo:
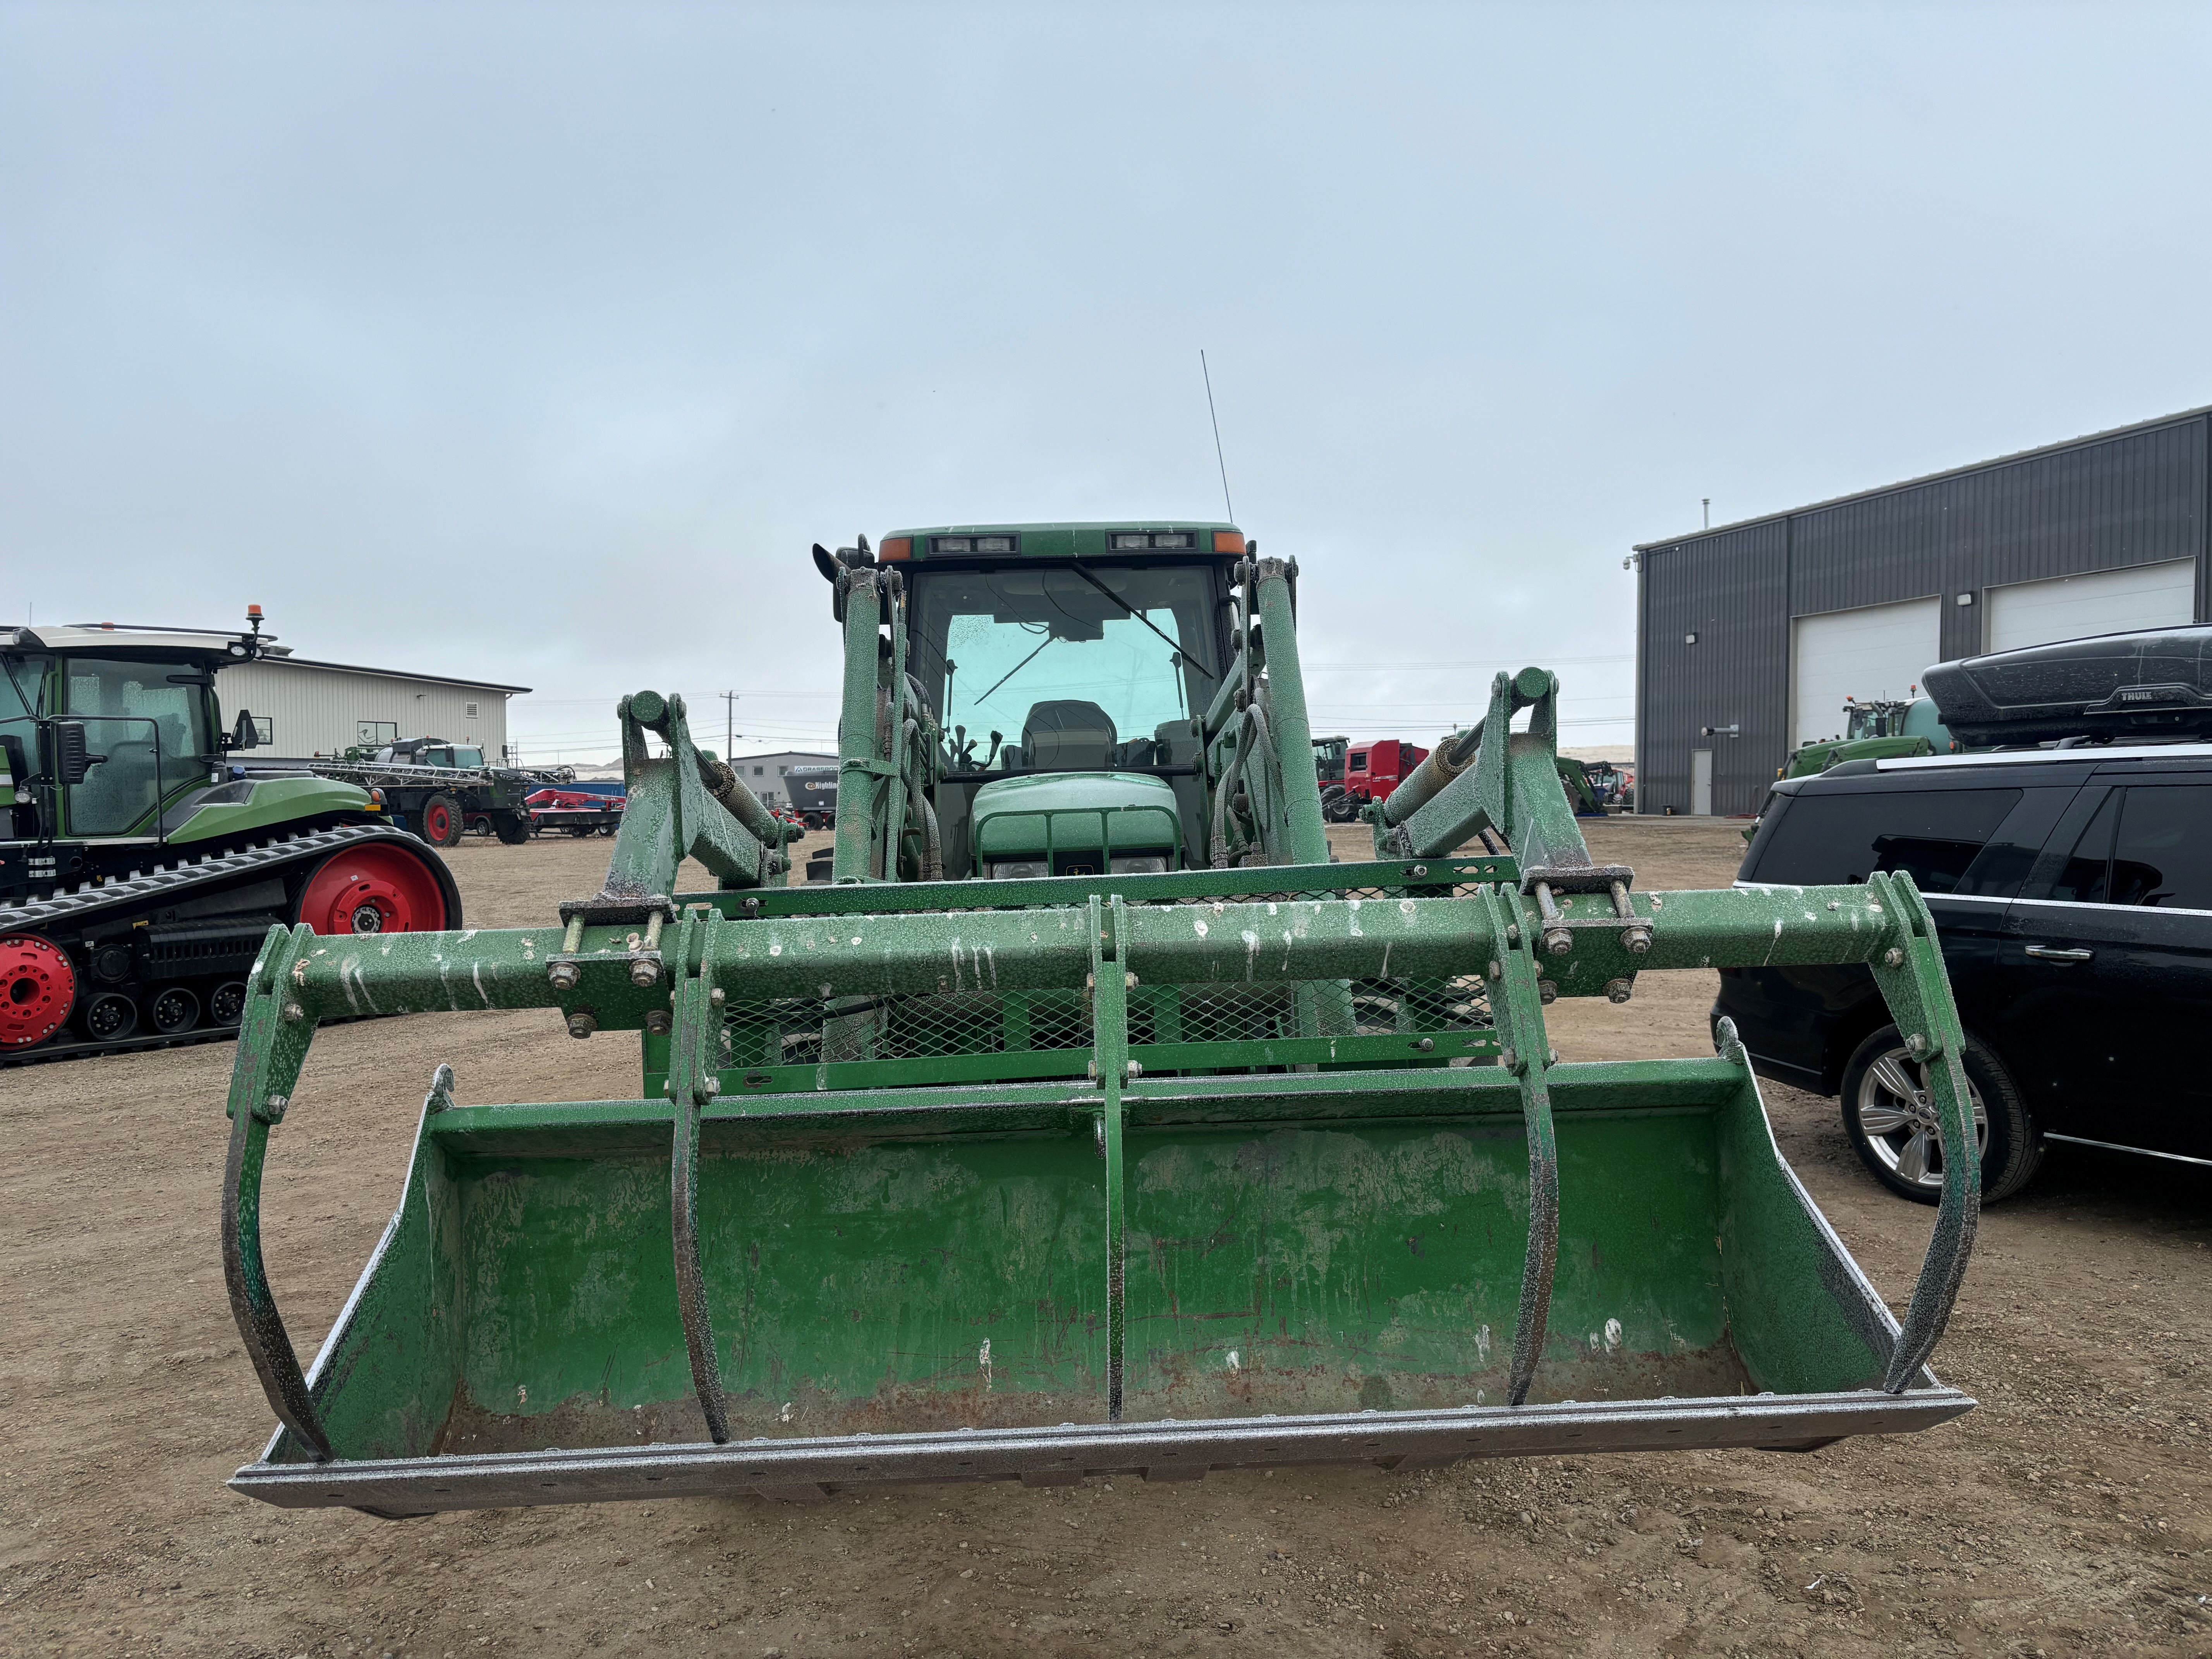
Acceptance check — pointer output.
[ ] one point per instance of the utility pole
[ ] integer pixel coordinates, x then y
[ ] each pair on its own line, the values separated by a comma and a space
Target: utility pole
729, 723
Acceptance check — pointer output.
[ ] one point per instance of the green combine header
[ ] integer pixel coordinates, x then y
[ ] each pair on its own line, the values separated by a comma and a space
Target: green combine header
1091, 1120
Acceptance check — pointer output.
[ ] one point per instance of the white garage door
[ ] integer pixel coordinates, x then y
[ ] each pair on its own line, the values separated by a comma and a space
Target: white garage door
1879, 651
2105, 602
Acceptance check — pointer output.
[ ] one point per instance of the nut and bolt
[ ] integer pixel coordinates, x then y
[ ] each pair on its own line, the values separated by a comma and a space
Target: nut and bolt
294, 1012
644, 974
1916, 1046
1637, 941
1892, 957
1134, 1068
1513, 934
1617, 990
1427, 1045
1558, 941
583, 1022
718, 996
1547, 993
658, 1022
1495, 970
1417, 871
563, 976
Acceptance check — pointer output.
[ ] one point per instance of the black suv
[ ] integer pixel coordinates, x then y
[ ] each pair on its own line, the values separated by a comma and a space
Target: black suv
2072, 887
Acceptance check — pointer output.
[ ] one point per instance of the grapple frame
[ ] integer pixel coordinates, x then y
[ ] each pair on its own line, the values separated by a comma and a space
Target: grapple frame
1289, 1242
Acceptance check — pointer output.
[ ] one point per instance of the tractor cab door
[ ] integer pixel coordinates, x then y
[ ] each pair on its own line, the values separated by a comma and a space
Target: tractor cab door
146, 737
22, 700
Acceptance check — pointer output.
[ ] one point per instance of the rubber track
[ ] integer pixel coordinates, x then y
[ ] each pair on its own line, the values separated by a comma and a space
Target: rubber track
157, 886
160, 883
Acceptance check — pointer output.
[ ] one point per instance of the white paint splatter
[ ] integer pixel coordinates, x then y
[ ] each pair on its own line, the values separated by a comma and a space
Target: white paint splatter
1482, 1343
775, 947
1405, 908
1199, 922
1234, 1362
983, 1358
1251, 953
476, 978
1612, 1334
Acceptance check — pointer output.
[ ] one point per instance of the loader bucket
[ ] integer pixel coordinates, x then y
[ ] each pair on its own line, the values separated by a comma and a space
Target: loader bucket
1157, 1174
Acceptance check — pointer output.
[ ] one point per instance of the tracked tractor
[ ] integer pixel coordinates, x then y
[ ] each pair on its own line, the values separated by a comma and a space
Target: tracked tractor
141, 866
1089, 1120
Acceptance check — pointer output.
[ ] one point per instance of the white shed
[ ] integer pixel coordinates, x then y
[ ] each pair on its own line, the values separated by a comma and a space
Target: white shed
306, 708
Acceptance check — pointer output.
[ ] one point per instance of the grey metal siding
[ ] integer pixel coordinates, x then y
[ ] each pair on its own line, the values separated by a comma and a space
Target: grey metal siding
2141, 497
1731, 590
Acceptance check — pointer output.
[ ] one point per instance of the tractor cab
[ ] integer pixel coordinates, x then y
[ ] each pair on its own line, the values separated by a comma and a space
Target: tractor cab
431, 752
113, 735
1065, 666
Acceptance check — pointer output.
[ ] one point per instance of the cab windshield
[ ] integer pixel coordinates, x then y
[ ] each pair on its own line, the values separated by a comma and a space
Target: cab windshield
1075, 665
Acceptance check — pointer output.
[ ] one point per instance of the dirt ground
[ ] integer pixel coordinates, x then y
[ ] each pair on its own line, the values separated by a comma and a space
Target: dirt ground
2068, 1515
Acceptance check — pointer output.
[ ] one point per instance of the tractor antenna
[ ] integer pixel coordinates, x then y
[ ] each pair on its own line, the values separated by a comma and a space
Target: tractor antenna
1216, 419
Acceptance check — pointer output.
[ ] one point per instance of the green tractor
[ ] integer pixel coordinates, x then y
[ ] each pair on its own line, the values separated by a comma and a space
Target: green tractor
1089, 1120
1878, 729
138, 875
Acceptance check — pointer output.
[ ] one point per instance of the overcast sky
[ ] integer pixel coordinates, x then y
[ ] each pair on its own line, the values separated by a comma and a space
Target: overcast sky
539, 342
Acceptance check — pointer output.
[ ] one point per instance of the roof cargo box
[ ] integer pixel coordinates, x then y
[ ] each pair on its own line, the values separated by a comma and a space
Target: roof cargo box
2154, 683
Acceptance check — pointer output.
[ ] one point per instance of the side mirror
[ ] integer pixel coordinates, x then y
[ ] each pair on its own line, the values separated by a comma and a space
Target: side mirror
71, 761
244, 734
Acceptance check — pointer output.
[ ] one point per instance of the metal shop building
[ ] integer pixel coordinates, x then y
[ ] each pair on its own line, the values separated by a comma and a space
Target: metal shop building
1749, 636
306, 708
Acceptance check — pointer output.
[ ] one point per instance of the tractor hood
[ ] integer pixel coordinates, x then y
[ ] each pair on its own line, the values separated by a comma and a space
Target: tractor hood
1029, 814
258, 803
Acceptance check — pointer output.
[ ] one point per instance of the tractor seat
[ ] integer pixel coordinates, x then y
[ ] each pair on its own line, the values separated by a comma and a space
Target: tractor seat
1068, 734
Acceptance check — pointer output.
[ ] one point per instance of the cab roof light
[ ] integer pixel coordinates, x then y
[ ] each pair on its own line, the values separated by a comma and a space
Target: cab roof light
896, 548
1229, 541
1137, 541
942, 544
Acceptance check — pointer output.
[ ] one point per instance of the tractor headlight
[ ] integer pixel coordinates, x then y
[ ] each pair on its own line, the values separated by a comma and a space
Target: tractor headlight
1148, 864
1018, 870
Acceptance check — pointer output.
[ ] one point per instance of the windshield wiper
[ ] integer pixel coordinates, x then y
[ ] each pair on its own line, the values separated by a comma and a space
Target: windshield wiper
1015, 669
1086, 575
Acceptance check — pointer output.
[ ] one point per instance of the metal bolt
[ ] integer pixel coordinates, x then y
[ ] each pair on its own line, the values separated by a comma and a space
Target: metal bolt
1495, 970
1546, 992
718, 996
1510, 1060
1637, 941
1558, 941
1916, 1046
1553, 1058
1417, 871
1128, 981
645, 975
582, 1022
1513, 934
563, 976
1134, 1068
656, 1021
1617, 990
293, 1011
1892, 957
1427, 1045
713, 1084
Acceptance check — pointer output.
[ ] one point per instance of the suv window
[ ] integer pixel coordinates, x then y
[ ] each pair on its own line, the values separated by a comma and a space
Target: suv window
1932, 834
2164, 853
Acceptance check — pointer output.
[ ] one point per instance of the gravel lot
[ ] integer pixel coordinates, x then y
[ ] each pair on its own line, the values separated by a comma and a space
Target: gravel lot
2068, 1515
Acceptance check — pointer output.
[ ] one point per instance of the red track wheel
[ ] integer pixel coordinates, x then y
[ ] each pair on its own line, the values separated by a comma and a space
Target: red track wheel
38, 988
382, 888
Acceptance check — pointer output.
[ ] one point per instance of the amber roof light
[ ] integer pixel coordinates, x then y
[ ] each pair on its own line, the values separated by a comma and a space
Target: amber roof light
1229, 541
